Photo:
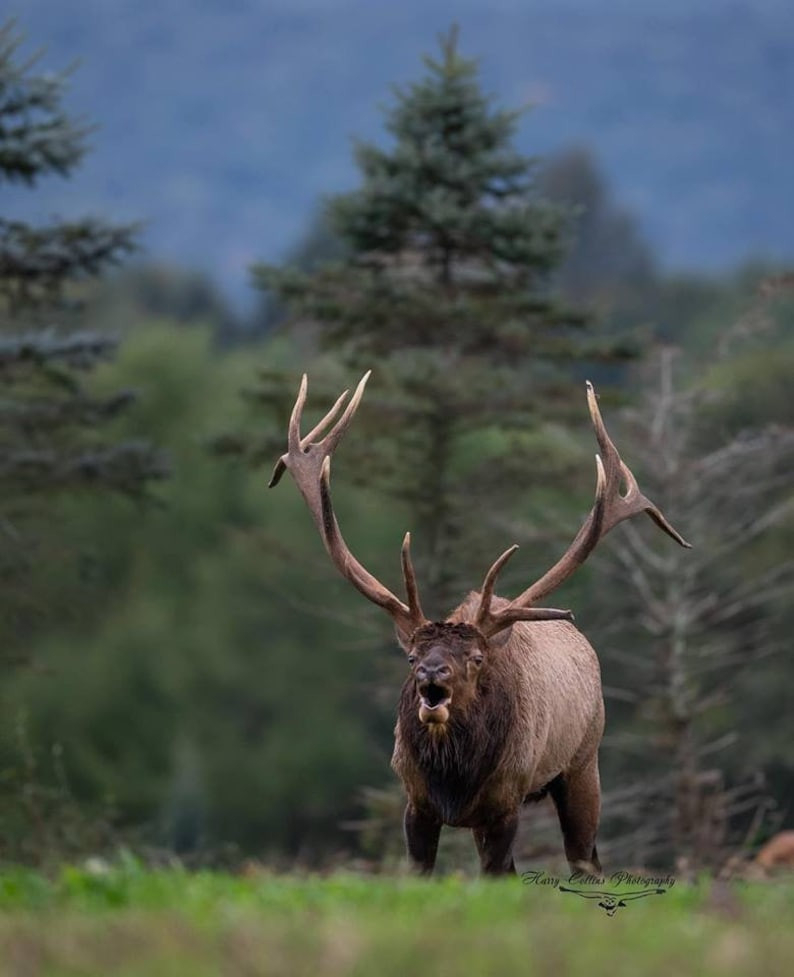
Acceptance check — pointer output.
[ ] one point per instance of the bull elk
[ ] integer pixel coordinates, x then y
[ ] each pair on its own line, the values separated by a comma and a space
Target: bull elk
503, 702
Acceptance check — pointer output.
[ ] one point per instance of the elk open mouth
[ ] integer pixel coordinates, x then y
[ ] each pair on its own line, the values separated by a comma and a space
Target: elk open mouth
434, 697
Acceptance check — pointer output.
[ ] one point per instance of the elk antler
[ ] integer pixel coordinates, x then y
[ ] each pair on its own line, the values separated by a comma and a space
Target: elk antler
609, 508
309, 463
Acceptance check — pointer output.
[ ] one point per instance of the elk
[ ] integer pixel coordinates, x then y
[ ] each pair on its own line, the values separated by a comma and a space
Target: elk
503, 703
777, 853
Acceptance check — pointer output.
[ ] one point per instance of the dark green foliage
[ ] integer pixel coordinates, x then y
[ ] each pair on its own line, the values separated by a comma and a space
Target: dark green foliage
35, 262
49, 418
56, 434
446, 243
38, 136
178, 665
48, 421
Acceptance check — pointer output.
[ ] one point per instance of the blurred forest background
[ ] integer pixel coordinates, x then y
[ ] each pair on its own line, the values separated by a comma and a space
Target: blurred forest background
183, 672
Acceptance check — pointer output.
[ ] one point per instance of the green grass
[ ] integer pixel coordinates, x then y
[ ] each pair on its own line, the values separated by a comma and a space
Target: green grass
131, 921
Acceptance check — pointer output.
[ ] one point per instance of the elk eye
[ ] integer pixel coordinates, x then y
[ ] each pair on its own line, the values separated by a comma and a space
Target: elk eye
411, 659
477, 659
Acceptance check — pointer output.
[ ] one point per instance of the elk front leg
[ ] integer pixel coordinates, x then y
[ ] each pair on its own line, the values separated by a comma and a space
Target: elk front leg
577, 797
495, 846
422, 831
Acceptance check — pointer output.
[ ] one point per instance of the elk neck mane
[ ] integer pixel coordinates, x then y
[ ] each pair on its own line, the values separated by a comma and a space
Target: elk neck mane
455, 763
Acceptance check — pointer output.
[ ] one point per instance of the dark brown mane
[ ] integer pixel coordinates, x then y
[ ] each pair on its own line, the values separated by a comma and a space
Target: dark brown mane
454, 765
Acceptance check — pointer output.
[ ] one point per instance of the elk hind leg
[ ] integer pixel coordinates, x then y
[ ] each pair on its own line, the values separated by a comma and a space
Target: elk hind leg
577, 797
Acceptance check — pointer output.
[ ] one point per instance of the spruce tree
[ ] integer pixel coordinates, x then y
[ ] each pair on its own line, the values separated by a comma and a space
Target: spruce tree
444, 286
50, 422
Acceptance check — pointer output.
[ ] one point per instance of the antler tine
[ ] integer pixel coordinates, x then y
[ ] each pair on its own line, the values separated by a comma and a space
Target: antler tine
321, 425
611, 468
649, 508
658, 517
334, 436
293, 433
604, 441
411, 589
489, 583
499, 620
294, 430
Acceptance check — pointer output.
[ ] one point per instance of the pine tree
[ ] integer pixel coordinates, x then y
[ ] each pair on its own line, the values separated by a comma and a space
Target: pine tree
445, 286
49, 421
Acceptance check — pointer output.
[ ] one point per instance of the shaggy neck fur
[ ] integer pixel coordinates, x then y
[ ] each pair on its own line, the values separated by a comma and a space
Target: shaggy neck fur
456, 760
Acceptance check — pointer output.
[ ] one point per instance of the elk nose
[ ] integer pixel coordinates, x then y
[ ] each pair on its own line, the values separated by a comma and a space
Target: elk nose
429, 673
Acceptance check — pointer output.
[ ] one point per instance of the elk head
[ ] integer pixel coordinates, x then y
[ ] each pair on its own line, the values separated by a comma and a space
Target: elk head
445, 662
446, 657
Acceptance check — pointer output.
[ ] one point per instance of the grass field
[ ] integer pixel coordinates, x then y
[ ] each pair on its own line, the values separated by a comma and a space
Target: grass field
128, 921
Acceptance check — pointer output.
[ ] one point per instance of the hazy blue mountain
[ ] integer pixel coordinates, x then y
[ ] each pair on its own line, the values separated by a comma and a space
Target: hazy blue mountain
221, 122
